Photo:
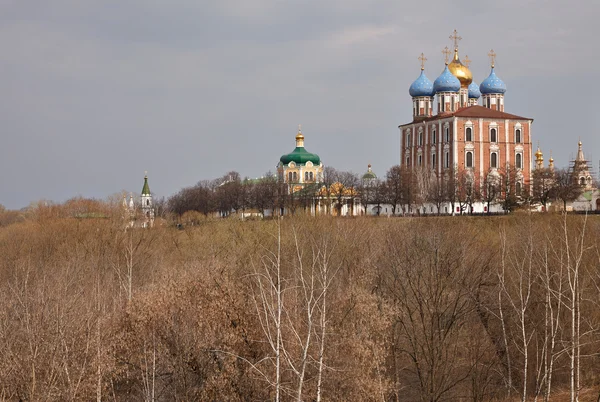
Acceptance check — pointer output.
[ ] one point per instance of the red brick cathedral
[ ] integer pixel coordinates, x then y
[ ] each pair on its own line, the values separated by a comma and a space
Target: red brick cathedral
469, 129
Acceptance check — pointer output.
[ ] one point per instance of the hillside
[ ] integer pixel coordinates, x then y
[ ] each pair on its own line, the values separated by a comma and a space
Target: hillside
308, 309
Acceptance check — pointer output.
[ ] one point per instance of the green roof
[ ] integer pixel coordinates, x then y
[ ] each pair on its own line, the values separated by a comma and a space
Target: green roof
146, 189
300, 156
369, 175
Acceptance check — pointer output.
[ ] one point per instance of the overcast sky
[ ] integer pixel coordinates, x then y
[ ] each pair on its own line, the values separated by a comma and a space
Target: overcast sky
93, 93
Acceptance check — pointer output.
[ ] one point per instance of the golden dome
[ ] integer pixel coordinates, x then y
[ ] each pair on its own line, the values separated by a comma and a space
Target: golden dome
538, 154
299, 136
460, 71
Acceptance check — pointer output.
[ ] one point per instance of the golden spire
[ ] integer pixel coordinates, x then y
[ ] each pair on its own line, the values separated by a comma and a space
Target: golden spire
299, 137
551, 161
455, 38
422, 59
492, 56
446, 53
467, 61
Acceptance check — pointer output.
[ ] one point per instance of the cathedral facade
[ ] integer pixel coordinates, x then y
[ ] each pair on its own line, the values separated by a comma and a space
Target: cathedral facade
469, 130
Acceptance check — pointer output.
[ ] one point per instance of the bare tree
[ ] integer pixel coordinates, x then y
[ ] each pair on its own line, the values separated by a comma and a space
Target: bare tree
565, 187
543, 184
426, 277
491, 188
394, 189
436, 193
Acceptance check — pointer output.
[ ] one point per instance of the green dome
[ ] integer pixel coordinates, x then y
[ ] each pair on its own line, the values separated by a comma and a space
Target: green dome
370, 175
300, 156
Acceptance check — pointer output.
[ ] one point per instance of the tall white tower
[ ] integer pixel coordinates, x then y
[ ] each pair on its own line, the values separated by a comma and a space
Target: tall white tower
147, 207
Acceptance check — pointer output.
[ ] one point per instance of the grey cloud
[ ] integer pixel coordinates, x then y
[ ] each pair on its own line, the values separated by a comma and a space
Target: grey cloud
94, 93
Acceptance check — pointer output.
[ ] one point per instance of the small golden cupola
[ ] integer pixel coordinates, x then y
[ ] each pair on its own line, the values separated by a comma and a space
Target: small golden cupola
539, 159
299, 137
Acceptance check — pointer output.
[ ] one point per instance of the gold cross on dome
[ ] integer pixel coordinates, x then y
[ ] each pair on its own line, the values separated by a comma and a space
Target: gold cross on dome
492, 56
467, 61
299, 128
422, 59
455, 38
446, 52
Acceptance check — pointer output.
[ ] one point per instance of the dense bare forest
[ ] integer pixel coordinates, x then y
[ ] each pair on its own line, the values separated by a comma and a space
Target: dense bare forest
314, 309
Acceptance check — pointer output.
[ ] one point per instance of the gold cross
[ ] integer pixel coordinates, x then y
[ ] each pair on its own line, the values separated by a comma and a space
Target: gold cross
492, 56
467, 61
455, 38
422, 59
446, 54
299, 128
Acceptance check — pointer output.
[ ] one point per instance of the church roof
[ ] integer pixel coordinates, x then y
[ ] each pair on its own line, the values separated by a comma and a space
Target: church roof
300, 156
484, 112
421, 86
474, 112
492, 84
146, 188
474, 92
446, 82
369, 174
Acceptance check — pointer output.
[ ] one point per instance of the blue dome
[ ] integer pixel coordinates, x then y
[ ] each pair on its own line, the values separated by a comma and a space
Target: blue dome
492, 84
421, 87
474, 92
446, 82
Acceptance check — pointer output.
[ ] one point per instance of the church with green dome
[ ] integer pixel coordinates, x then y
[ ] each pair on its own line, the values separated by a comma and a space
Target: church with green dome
300, 168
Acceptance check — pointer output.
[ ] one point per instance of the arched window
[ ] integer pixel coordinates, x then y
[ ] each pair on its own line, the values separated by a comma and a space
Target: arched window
582, 181
433, 160
305, 176
518, 136
419, 160
469, 159
295, 177
469, 134
420, 138
447, 134
408, 161
518, 188
147, 202
493, 135
290, 176
408, 140
494, 160
311, 176
446, 159
519, 161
